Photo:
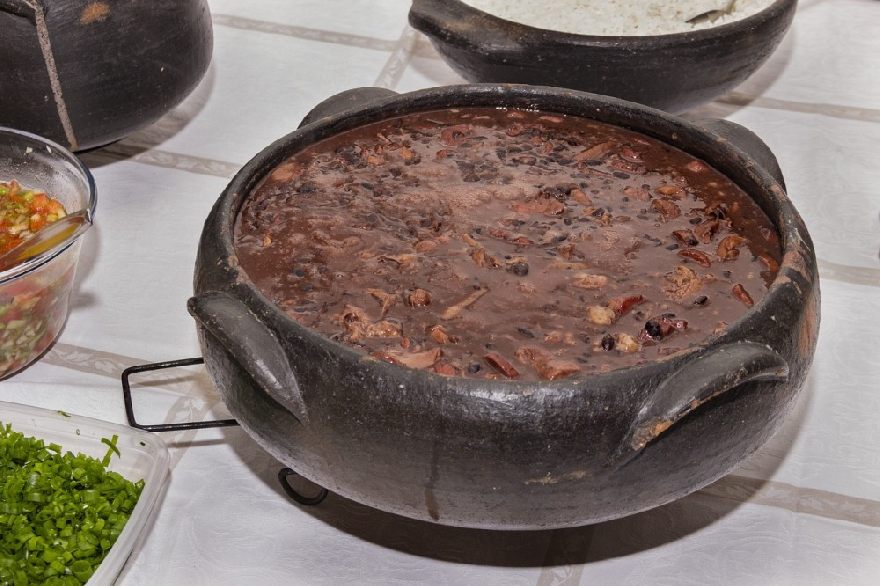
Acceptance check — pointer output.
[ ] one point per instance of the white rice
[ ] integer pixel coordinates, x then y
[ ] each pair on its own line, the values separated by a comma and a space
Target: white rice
618, 17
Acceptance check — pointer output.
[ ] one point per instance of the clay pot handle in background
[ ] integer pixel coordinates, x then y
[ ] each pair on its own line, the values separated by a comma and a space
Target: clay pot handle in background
18, 8
451, 19
708, 376
353, 98
252, 345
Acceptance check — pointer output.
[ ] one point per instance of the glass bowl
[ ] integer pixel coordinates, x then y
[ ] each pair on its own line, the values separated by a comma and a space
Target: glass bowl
34, 295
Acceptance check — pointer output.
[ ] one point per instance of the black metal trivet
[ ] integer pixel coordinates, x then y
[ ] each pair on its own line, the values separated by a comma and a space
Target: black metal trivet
284, 475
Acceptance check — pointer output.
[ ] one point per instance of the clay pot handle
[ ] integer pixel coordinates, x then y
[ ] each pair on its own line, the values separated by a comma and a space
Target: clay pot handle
457, 22
253, 346
353, 98
700, 380
18, 8
747, 141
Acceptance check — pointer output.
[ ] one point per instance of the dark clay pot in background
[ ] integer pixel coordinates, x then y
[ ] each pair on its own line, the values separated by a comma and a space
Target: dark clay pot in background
673, 72
507, 454
109, 66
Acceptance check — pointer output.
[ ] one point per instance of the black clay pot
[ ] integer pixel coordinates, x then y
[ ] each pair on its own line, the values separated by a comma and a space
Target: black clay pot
673, 72
87, 72
507, 454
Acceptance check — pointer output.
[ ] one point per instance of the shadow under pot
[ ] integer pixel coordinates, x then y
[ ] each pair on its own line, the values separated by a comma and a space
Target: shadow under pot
85, 73
504, 454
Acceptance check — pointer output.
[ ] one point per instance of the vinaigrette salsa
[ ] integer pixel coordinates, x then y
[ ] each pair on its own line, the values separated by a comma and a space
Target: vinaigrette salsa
33, 305
23, 212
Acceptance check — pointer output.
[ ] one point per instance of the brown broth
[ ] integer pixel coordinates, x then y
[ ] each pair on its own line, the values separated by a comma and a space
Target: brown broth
504, 243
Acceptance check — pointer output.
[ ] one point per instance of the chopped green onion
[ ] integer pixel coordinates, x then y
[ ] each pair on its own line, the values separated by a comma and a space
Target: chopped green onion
112, 450
60, 513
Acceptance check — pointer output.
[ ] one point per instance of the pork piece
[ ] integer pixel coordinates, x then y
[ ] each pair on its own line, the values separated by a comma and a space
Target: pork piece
595, 152
386, 300
682, 282
589, 281
600, 315
501, 364
412, 359
626, 343
686, 237
706, 230
418, 298
668, 210
621, 305
728, 248
439, 334
455, 310
547, 366
740, 293
698, 256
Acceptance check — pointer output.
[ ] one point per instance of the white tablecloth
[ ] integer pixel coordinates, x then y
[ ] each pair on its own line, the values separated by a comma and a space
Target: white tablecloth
804, 510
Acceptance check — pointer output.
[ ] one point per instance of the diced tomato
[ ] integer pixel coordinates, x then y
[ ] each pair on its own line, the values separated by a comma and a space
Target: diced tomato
36, 222
40, 202
23, 212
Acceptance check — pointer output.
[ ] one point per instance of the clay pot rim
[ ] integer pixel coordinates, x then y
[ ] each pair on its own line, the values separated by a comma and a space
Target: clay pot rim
798, 257
659, 42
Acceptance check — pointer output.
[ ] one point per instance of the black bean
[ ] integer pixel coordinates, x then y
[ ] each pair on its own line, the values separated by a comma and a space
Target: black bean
567, 221
526, 332
608, 342
299, 273
701, 300
474, 368
520, 269
653, 329
621, 175
695, 221
672, 246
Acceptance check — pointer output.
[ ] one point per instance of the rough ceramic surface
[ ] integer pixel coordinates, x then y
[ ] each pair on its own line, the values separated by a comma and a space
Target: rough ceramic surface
498, 454
100, 70
671, 72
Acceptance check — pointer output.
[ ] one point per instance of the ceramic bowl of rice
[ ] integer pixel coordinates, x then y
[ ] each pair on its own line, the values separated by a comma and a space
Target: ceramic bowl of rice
671, 55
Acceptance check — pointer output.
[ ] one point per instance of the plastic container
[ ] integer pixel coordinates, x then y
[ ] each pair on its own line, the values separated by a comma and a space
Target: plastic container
34, 295
143, 456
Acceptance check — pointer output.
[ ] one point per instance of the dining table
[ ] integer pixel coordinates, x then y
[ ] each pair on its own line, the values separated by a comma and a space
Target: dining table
804, 509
